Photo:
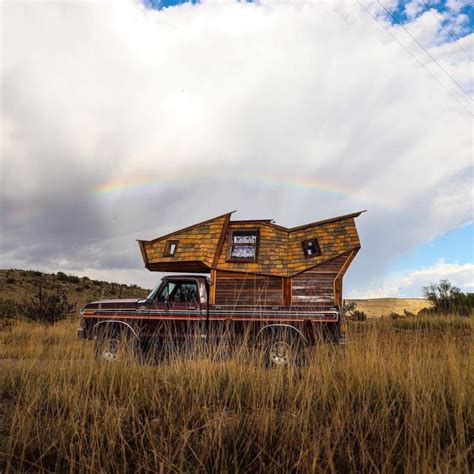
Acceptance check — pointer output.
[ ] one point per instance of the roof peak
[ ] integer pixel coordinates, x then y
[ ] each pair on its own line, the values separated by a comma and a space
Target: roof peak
291, 229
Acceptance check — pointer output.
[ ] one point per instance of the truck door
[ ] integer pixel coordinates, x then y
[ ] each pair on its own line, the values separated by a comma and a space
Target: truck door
178, 302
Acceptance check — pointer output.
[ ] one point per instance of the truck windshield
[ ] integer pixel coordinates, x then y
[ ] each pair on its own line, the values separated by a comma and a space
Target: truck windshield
152, 293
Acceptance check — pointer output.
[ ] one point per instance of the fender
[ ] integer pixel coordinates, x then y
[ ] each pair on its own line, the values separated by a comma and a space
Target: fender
114, 321
285, 326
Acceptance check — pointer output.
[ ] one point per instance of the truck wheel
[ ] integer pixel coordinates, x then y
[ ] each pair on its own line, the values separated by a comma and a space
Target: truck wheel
283, 349
116, 346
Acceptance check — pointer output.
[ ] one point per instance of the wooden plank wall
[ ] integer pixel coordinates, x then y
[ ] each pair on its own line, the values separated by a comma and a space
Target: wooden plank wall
233, 288
317, 285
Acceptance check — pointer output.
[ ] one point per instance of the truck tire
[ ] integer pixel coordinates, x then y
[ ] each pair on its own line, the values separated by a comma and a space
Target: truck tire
282, 348
116, 345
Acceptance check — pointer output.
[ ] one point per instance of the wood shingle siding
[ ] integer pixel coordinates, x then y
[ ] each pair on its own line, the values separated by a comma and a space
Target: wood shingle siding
195, 244
271, 258
280, 252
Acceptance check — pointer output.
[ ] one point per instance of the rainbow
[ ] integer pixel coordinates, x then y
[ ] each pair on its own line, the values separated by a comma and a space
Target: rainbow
145, 184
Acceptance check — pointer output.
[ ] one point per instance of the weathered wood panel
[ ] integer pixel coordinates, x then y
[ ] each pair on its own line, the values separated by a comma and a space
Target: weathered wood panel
239, 289
317, 286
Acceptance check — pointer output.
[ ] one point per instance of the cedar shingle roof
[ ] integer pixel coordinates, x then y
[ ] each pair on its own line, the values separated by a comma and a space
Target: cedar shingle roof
205, 245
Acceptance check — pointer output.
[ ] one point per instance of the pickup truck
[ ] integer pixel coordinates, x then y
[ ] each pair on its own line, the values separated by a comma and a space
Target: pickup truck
177, 310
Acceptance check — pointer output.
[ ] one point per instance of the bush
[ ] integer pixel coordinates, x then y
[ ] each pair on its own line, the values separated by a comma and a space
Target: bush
48, 308
11, 280
358, 316
61, 276
348, 308
8, 308
448, 299
394, 315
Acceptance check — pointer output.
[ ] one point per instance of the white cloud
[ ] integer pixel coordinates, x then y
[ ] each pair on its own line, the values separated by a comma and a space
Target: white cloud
295, 111
409, 284
413, 8
456, 5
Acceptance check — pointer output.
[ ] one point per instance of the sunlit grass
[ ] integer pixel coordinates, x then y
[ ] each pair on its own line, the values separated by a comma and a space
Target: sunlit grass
393, 401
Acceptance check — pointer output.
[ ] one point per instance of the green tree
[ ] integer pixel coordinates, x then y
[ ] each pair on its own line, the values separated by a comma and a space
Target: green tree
447, 298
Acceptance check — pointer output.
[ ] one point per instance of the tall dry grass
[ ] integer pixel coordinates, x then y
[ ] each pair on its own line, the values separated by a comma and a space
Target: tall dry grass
392, 402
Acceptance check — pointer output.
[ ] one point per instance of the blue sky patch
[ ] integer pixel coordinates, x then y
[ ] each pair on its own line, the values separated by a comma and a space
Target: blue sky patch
455, 246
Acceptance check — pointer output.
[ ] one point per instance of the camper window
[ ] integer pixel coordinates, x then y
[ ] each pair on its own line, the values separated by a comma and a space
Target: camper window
171, 246
243, 245
311, 248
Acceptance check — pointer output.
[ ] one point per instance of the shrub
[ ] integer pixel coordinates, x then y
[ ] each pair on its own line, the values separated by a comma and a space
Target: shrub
348, 308
358, 316
8, 308
448, 299
48, 308
394, 315
10, 280
61, 276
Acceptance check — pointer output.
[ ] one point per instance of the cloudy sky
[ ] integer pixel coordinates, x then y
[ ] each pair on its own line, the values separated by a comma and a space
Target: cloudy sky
125, 120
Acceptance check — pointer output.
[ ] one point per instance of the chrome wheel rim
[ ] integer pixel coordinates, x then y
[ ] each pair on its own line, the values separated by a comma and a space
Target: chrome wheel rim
280, 353
110, 348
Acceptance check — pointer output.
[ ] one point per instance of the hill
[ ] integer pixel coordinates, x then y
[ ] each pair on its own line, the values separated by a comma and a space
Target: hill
21, 285
378, 307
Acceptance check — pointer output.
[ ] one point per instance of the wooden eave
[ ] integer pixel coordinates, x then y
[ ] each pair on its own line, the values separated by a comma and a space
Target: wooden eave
196, 266
184, 229
271, 222
326, 221
254, 221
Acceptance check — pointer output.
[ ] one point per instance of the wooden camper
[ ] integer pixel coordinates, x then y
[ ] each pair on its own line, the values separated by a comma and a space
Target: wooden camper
257, 262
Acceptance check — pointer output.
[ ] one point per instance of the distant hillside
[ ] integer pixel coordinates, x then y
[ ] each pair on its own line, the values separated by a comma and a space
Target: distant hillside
375, 308
20, 285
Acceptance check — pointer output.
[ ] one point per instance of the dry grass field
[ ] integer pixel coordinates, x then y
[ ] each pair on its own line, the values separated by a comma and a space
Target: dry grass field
380, 307
398, 399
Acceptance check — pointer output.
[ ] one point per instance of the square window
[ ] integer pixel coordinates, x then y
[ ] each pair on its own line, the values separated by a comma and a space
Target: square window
171, 247
311, 248
243, 245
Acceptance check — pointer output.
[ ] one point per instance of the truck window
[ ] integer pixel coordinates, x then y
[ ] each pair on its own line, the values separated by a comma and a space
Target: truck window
167, 290
185, 291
